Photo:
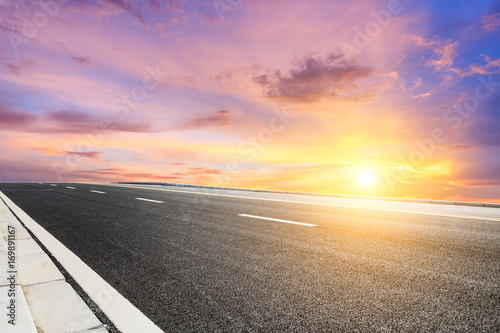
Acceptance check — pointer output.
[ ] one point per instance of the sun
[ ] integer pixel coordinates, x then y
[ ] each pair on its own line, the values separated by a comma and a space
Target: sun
366, 178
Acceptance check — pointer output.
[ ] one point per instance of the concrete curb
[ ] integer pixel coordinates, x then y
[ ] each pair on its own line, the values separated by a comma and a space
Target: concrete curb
23, 320
439, 202
47, 303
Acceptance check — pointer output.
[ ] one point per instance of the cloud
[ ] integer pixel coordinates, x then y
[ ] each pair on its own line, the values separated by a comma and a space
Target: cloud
443, 58
491, 19
82, 60
237, 79
70, 117
101, 8
13, 68
72, 121
221, 118
84, 154
444, 52
489, 68
203, 171
422, 95
315, 78
67, 121
196, 172
479, 174
458, 147
28, 171
13, 118
491, 22
482, 130
120, 174
149, 13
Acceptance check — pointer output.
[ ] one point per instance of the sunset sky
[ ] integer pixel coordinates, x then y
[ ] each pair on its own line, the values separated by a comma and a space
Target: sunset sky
273, 94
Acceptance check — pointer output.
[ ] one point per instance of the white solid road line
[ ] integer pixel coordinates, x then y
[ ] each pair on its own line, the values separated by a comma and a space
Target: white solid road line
277, 220
126, 317
71, 188
100, 192
157, 201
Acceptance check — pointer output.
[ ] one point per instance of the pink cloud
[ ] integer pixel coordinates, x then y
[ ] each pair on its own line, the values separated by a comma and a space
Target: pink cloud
491, 22
86, 154
315, 78
14, 118
70, 121
82, 60
219, 119
123, 175
445, 52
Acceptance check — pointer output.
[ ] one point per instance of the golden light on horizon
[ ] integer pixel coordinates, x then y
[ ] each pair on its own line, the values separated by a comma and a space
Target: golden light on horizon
366, 178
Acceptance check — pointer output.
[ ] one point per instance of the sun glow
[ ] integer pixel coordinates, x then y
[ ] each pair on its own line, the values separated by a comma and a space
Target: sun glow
366, 178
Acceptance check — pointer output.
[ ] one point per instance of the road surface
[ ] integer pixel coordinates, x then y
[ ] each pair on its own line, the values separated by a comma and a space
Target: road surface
195, 260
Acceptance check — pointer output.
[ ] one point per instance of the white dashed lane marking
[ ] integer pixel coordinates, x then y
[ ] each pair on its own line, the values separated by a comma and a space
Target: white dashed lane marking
156, 201
277, 220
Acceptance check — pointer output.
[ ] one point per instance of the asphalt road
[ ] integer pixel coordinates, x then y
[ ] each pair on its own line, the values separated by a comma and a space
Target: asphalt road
192, 263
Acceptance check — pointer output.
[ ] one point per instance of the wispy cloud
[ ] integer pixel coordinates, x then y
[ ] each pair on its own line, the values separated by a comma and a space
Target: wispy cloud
219, 119
72, 121
84, 154
491, 22
123, 175
445, 52
82, 60
14, 118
